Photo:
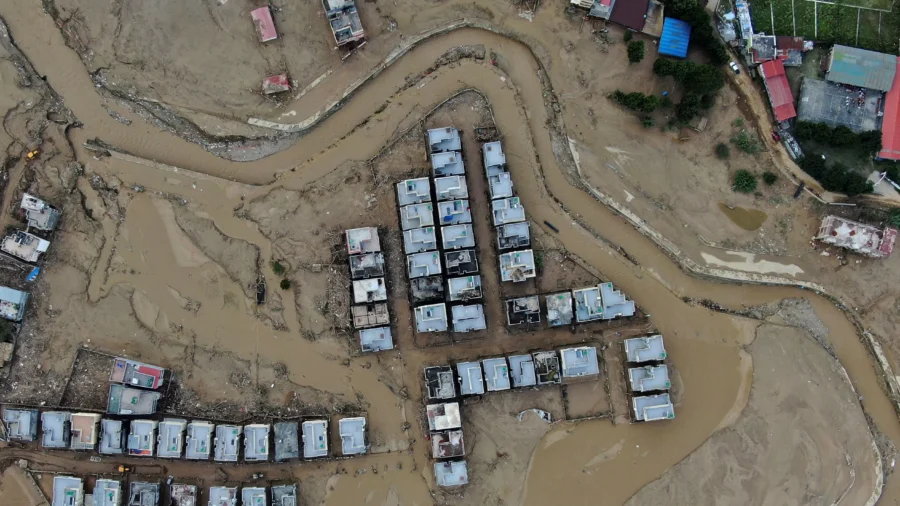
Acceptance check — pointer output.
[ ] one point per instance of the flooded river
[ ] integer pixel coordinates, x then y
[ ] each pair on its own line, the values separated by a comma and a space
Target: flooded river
706, 346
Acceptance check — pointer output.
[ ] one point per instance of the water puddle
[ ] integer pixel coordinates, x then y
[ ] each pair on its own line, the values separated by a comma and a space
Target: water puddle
747, 219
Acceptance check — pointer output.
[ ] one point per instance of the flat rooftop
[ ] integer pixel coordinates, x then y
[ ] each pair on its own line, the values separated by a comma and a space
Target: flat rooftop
454, 212
171, 438
199, 440
514, 235
363, 240
461, 262
40, 215
284, 495
370, 315
432, 318
546, 367
369, 290
416, 216
376, 339
256, 442
578, 362
458, 237
468, 318
183, 494
521, 368
443, 139
857, 237
315, 439
254, 496
451, 474
443, 416
125, 400
464, 288
28, 247
517, 266
447, 163
451, 188
368, 265
524, 310
21, 424
68, 491
559, 309
426, 263
227, 443
587, 304
508, 210
471, 381
427, 289
136, 374
287, 442
496, 374
353, 435
649, 408
645, 349
223, 496
108, 493
649, 378
500, 185
439, 382
413, 191
142, 438
12, 303
85, 431
448, 444
494, 158
419, 239
112, 437
56, 429
142, 493
835, 105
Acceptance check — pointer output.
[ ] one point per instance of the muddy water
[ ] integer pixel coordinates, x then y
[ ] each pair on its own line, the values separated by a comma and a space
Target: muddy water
747, 219
705, 345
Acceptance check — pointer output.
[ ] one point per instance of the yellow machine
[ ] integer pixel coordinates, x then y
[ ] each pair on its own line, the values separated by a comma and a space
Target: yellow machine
33, 154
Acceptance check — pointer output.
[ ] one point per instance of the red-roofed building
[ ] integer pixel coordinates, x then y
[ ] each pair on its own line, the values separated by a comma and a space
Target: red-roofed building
890, 130
630, 13
779, 90
265, 26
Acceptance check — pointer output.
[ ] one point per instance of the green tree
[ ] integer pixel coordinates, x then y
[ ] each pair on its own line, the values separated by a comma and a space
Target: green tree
688, 107
635, 51
664, 67
628, 36
842, 136
647, 122
769, 177
277, 268
869, 142
746, 143
744, 181
285, 284
722, 150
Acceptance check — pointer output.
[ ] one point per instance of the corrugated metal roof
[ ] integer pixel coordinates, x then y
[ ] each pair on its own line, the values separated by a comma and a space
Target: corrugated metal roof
675, 37
890, 130
779, 90
859, 67
630, 13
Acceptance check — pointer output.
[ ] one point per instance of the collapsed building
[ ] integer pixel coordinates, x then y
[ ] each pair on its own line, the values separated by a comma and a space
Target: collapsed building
857, 237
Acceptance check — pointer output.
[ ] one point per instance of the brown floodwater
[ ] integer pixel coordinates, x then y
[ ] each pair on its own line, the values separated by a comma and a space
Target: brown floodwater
706, 346
747, 219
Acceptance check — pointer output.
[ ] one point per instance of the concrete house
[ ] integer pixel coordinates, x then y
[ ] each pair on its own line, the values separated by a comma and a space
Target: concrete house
199, 440
507, 210
649, 378
514, 235
416, 216
448, 444
521, 369
183, 495
107, 493
587, 304
451, 474
125, 400
443, 416
256, 442
345, 26
136, 374
432, 318
546, 367
367, 265
315, 439
419, 239
227, 443
142, 493
500, 185
56, 429
579, 362
458, 237
223, 496
496, 374
443, 139
451, 188
468, 318
523, 311
287, 442
25, 246
68, 491
362, 240
614, 303
254, 496
284, 495
454, 212
439, 382
423, 264
376, 339
494, 158
369, 290
353, 435
12, 304
370, 315
471, 381
517, 266
426, 289
645, 349
170, 441
464, 288
85, 429
447, 163
460, 263
413, 191
113, 437
650, 408
39, 214
559, 309
142, 438
21, 424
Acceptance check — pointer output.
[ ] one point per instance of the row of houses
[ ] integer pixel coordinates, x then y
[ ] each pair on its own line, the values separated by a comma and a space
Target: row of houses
175, 438
648, 378
595, 303
69, 491
369, 290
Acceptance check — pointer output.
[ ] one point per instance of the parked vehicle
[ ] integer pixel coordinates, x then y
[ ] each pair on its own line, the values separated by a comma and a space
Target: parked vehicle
734, 67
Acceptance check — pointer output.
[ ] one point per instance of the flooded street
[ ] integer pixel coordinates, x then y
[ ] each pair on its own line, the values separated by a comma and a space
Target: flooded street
598, 460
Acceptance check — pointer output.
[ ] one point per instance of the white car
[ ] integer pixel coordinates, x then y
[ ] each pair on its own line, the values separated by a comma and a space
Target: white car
734, 67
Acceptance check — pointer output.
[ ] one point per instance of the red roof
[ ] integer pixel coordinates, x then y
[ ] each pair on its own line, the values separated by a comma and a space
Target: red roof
890, 134
265, 27
276, 84
887, 241
630, 13
779, 90
784, 42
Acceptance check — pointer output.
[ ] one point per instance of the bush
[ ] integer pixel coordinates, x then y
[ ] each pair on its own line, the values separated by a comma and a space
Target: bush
277, 268
285, 284
664, 67
893, 218
635, 51
628, 36
769, 178
722, 150
746, 143
738, 122
744, 181
842, 136
688, 107
647, 122
636, 101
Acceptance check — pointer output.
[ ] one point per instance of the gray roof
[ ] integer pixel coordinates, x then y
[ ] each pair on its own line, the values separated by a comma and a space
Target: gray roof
422, 264
517, 266
287, 441
451, 188
419, 239
614, 303
171, 438
496, 374
559, 309
458, 237
602, 302
136, 374
500, 185
256, 442
223, 496
645, 349
315, 438
454, 212
254, 496
416, 216
443, 416
183, 495
369, 265
494, 158
443, 139
376, 339
353, 435
447, 163
652, 407
369, 290
68, 491
431, 318
451, 474
507, 210
21, 424
141, 438
55, 429
12, 303
525, 310
112, 436
284, 495
587, 304
521, 368
649, 378
413, 191
464, 288
228, 443
448, 444
125, 400
107, 493
362, 240
863, 68
142, 493
426, 289
439, 382
199, 440
468, 318
370, 315
40, 215
461, 262
471, 381
581, 361
514, 235
546, 367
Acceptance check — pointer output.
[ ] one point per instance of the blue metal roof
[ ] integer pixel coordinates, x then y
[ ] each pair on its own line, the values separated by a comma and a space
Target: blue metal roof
675, 36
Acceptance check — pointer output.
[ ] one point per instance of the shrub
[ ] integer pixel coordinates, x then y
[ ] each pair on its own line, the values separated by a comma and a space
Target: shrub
635, 51
744, 181
722, 150
746, 143
636, 101
738, 122
628, 36
285, 284
277, 268
688, 107
769, 177
842, 136
893, 218
664, 67
647, 122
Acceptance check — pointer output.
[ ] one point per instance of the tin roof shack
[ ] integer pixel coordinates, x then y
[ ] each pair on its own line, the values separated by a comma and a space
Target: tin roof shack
427, 289
468, 318
142, 493
451, 188
284, 495
363, 240
443, 416
287, 442
443, 139
508, 210
650, 408
645, 349
439, 382
353, 435
524, 310
136, 374
454, 212
675, 37
276, 84
227, 443
416, 216
171, 438
514, 235
142, 438
857, 237
500, 185
517, 266
84, 431
451, 474
108, 493
131, 401
464, 288
112, 437
12, 304
256, 442
458, 237
448, 444
39, 214
471, 381
68, 491
860, 67
370, 315
413, 191
496, 374
56, 429
28, 247
423, 264
521, 368
447, 163
183, 495
649, 378
21, 424
432, 318
579, 362
376, 339
419, 239
254, 496
265, 25
546, 367
494, 158
315, 439
223, 496
368, 265
199, 440
460, 263
369, 290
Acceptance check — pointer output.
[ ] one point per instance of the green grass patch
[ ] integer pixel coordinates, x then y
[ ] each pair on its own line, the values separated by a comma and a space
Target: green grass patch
805, 12
868, 31
884, 5
762, 16
784, 17
837, 24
